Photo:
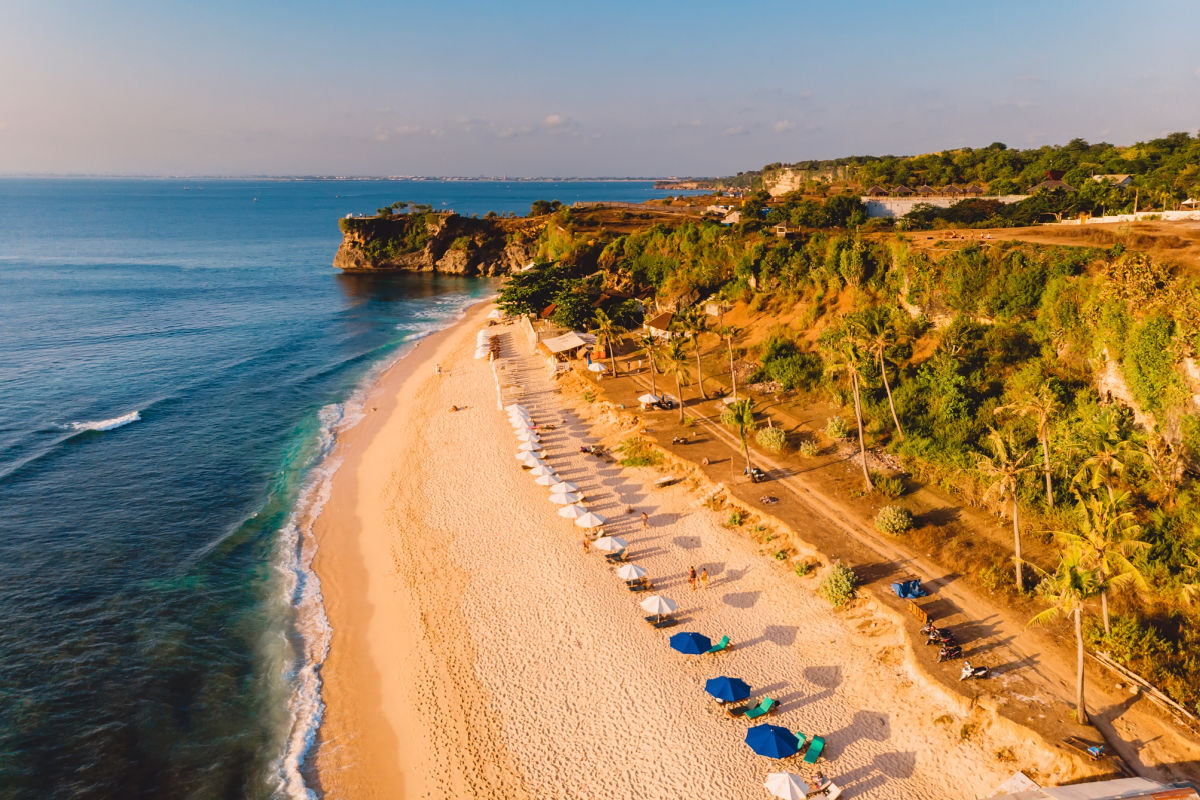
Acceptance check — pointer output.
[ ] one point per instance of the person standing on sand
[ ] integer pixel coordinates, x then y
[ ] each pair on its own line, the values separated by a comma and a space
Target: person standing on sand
645, 522
704, 577
587, 546
692, 578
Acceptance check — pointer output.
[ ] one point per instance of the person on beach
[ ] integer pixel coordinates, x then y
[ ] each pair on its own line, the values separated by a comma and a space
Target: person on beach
704, 577
587, 546
692, 578
645, 522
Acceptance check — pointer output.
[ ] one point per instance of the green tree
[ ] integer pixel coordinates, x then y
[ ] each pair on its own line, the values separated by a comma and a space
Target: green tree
649, 343
1041, 405
1105, 538
1003, 470
877, 332
675, 365
727, 333
842, 356
1068, 591
694, 322
740, 417
1110, 450
610, 334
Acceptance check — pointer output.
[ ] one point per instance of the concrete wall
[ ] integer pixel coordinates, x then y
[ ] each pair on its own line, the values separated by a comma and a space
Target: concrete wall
899, 206
1170, 216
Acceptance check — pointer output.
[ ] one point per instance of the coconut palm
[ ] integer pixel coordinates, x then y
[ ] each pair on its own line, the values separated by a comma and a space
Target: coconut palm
1165, 461
1068, 591
728, 332
650, 343
1041, 405
609, 332
740, 416
1110, 453
675, 364
693, 322
1003, 469
876, 332
1189, 590
842, 355
1106, 537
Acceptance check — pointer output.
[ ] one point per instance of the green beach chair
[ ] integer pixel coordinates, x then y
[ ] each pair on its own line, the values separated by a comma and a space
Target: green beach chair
767, 706
814, 750
719, 646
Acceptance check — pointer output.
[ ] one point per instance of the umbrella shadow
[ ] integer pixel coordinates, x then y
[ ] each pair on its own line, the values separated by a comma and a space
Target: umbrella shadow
687, 542
741, 599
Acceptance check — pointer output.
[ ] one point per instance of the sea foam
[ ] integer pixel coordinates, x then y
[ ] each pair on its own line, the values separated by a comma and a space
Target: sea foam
104, 424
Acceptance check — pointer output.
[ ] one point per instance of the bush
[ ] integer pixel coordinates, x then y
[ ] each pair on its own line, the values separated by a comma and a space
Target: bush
639, 454
808, 448
735, 519
773, 439
839, 585
836, 428
802, 568
889, 486
894, 520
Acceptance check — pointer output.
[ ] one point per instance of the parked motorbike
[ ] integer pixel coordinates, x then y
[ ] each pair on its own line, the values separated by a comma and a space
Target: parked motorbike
936, 635
969, 672
949, 652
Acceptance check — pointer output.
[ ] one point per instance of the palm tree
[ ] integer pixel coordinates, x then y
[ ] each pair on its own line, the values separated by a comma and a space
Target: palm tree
843, 356
609, 332
1004, 469
676, 365
877, 333
1041, 405
1110, 453
728, 332
1165, 461
693, 322
1189, 590
1067, 591
740, 416
1106, 537
650, 343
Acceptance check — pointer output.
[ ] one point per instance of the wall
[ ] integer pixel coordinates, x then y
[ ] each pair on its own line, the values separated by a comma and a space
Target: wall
899, 206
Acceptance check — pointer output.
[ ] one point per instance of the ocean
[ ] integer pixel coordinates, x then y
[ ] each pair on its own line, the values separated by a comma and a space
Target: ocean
176, 359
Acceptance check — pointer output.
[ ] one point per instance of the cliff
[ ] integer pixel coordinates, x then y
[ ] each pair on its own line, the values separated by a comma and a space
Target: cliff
437, 241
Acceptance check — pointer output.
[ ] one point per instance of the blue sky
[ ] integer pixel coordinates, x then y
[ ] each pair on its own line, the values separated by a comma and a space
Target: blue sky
570, 88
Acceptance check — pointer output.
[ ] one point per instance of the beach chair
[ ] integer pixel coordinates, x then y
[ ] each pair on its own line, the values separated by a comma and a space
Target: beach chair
665, 622
767, 706
640, 585
613, 558
815, 747
724, 644
736, 711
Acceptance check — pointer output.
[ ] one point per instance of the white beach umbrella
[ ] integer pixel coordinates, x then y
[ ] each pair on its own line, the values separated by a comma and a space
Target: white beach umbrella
631, 572
562, 487
565, 499
545, 480
526, 435
589, 520
514, 408
544, 469
519, 413
530, 447
528, 458
657, 604
648, 399
608, 544
786, 785
495, 313
596, 366
517, 421
572, 512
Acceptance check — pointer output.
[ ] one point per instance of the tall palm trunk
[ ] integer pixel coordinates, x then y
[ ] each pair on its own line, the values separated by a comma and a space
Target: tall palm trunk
612, 355
699, 369
862, 443
1080, 708
1104, 599
1017, 544
745, 449
732, 375
1046, 467
888, 389
653, 383
679, 394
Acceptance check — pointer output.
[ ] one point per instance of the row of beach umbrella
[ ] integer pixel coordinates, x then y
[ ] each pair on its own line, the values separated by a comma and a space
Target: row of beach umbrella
563, 493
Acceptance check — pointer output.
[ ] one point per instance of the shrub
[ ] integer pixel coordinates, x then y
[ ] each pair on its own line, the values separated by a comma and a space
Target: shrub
773, 439
803, 567
894, 520
890, 486
735, 519
836, 427
638, 453
839, 585
808, 448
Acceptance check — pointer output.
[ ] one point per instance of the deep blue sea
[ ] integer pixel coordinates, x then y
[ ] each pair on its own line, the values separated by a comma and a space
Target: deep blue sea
176, 357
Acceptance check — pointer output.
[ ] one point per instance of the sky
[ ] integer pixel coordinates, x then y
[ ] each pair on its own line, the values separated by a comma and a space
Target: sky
166, 87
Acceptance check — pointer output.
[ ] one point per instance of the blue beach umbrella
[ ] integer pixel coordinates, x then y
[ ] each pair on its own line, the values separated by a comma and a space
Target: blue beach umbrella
692, 644
772, 741
727, 689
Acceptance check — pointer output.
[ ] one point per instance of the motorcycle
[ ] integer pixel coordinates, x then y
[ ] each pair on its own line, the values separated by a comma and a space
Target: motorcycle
949, 652
969, 672
938, 636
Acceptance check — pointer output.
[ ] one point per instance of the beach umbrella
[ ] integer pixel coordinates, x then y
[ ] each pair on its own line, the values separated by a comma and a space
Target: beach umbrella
562, 487
520, 423
657, 604
514, 408
772, 741
541, 469
591, 520
631, 572
530, 459
727, 689
787, 786
608, 544
692, 644
530, 447
545, 480
596, 366
565, 499
526, 434
572, 512
648, 399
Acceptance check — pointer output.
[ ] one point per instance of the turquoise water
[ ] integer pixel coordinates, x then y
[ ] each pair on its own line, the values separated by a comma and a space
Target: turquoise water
176, 358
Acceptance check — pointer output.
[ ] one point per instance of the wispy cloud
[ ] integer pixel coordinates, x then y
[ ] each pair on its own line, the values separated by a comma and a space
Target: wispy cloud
553, 121
783, 126
736, 130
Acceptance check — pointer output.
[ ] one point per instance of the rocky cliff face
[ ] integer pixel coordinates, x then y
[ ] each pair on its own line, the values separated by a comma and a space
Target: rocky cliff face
436, 242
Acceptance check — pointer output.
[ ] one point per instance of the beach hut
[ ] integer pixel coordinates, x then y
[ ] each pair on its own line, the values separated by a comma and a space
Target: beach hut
877, 191
902, 191
659, 326
565, 346
973, 189
925, 190
952, 191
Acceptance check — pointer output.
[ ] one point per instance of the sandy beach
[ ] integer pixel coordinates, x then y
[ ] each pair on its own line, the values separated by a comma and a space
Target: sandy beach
477, 650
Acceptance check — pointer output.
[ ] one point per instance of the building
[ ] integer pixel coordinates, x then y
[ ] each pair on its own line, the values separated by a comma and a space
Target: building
1120, 180
659, 326
877, 191
925, 190
902, 191
1020, 787
732, 218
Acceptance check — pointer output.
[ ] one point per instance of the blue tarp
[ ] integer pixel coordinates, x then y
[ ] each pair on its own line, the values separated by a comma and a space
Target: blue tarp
909, 590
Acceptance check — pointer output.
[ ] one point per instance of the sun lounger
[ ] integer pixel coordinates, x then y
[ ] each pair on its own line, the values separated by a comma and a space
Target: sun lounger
736, 711
640, 585
767, 706
615, 557
724, 644
815, 747
665, 622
